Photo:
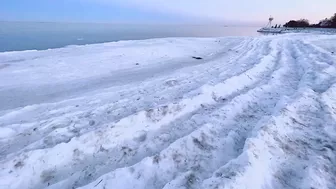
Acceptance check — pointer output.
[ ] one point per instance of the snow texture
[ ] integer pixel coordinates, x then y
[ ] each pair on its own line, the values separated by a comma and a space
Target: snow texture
252, 113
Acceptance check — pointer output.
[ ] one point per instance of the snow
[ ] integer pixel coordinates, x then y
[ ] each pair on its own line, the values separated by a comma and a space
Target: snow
254, 112
324, 31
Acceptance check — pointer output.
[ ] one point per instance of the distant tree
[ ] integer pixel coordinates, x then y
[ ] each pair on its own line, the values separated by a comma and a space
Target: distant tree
315, 25
291, 24
323, 23
302, 23
276, 26
333, 21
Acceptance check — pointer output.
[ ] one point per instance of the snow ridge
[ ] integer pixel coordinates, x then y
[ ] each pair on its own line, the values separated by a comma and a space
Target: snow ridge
253, 113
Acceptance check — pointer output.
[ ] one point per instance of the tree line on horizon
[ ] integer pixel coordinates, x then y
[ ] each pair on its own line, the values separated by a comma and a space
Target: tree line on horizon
304, 23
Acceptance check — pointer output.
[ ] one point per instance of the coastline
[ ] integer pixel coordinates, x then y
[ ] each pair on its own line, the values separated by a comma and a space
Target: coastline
41, 36
171, 113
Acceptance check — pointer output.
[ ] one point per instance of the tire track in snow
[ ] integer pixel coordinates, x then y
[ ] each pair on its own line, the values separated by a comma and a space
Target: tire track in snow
176, 124
308, 145
46, 127
309, 152
241, 129
321, 71
232, 134
117, 111
178, 145
281, 134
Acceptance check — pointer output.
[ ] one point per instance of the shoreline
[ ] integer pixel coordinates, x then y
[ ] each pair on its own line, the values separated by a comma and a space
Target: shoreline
171, 113
17, 37
320, 31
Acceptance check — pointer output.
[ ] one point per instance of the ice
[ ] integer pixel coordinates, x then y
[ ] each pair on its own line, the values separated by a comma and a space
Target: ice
251, 112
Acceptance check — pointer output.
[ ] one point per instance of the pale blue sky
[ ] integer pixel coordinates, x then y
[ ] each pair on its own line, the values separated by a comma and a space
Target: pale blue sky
166, 11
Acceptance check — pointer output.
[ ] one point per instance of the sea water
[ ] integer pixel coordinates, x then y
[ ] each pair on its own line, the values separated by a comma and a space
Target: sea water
18, 36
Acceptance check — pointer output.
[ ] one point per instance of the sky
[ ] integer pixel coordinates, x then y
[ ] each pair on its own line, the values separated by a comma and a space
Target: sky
231, 12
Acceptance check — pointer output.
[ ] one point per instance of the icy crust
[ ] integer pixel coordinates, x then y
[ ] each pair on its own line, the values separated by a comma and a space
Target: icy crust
252, 113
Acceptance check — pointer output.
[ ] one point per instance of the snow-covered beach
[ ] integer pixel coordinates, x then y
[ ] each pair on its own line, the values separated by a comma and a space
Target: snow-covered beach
174, 113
